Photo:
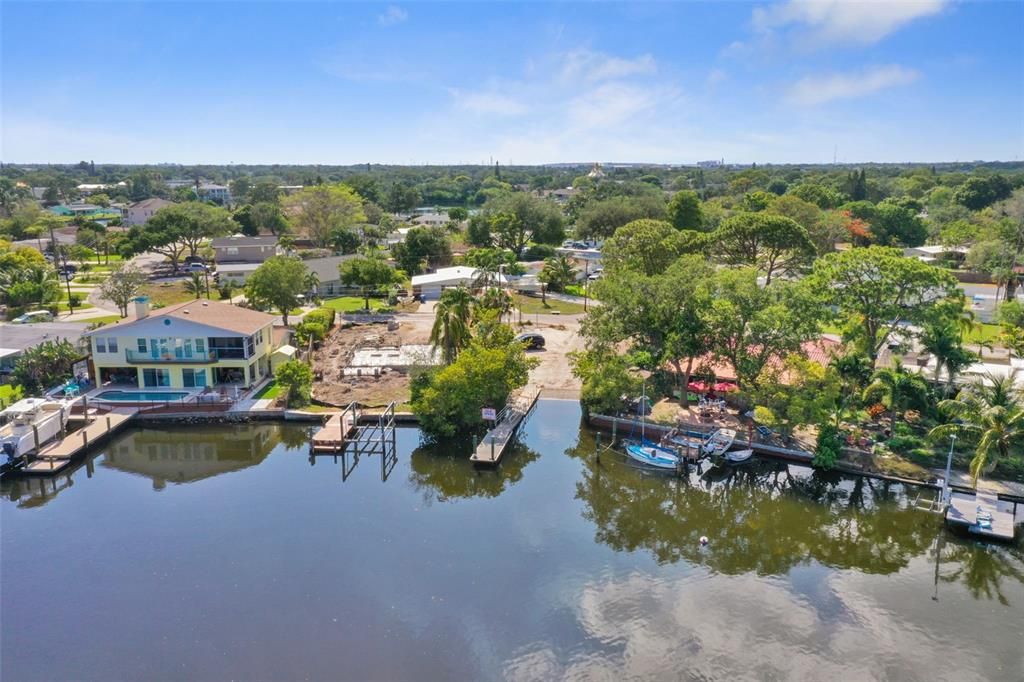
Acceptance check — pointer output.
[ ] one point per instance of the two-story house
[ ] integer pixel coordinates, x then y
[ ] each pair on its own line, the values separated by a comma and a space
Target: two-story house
219, 193
238, 256
141, 211
188, 345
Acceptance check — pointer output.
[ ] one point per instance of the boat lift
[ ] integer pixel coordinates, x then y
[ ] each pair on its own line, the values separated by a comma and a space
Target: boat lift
363, 435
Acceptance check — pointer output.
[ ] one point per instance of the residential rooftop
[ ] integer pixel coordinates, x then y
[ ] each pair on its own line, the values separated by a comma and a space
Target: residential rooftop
201, 311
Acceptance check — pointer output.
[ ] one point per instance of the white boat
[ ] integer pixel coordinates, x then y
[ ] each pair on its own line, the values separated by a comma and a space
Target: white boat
720, 441
31, 423
738, 456
653, 455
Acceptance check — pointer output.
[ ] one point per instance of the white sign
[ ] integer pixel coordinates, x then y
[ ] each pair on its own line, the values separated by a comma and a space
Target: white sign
488, 413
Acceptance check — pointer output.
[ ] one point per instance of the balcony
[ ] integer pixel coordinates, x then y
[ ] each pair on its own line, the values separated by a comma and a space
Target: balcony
148, 358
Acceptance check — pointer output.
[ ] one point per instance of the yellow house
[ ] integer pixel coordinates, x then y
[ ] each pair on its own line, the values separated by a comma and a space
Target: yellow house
188, 345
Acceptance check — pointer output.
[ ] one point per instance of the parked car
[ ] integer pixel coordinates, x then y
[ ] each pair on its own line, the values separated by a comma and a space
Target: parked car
195, 267
189, 260
33, 316
533, 340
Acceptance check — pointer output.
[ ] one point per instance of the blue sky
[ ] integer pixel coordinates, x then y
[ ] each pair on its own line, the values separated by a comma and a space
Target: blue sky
416, 82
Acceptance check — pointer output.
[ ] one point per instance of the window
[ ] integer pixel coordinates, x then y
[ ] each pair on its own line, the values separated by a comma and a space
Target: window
193, 378
141, 345
200, 345
249, 346
112, 344
101, 345
156, 377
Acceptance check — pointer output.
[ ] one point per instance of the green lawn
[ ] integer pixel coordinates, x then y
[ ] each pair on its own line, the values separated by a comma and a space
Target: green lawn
62, 306
102, 319
350, 304
271, 390
575, 290
530, 306
983, 332
169, 293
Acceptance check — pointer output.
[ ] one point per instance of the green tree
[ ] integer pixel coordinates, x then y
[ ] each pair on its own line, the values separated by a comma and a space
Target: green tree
752, 326
977, 192
448, 400
771, 243
988, 413
175, 230
297, 378
370, 274
451, 330
277, 283
599, 219
822, 197
899, 390
684, 211
478, 232
267, 216
648, 246
520, 218
45, 365
122, 286
317, 211
606, 378
264, 192
877, 290
422, 246
195, 285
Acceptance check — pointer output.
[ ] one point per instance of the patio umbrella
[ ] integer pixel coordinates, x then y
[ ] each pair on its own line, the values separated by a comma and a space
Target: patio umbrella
725, 387
697, 386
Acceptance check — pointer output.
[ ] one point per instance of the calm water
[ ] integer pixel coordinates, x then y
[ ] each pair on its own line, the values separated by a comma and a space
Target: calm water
220, 552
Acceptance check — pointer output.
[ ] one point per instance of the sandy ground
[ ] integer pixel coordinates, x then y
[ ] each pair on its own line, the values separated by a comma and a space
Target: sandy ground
561, 335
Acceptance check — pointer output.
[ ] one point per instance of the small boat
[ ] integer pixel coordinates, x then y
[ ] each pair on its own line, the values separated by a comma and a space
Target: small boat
738, 456
29, 424
652, 455
720, 441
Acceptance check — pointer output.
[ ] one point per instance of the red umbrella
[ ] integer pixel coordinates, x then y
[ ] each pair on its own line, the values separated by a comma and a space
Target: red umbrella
697, 386
725, 387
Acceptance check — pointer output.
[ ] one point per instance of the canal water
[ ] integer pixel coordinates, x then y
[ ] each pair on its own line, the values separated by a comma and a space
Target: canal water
220, 552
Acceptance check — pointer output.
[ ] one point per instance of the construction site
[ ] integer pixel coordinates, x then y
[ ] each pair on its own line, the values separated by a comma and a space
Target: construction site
371, 363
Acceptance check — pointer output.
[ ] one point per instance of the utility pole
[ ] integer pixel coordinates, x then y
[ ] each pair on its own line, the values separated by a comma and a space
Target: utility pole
949, 466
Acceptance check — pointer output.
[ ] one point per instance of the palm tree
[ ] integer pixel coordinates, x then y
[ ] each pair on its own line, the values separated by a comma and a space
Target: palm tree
898, 390
495, 299
989, 412
451, 331
195, 285
558, 272
943, 342
312, 284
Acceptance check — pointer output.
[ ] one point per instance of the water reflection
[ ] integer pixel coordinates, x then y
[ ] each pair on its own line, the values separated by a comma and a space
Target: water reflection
767, 518
981, 568
183, 455
443, 473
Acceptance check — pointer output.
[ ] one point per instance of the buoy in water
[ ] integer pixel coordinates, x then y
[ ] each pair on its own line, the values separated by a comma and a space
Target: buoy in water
703, 540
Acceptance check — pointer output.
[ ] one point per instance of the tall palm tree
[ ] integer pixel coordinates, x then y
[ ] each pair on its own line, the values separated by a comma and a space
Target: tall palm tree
942, 340
897, 389
558, 272
495, 299
311, 282
989, 412
451, 332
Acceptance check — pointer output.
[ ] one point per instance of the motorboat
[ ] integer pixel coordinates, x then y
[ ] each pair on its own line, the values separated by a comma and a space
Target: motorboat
653, 455
739, 456
29, 424
720, 441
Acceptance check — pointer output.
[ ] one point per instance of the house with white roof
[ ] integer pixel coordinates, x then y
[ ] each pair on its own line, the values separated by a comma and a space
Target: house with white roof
429, 287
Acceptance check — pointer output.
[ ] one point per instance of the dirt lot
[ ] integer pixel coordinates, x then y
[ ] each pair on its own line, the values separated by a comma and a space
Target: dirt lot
332, 387
553, 375
561, 335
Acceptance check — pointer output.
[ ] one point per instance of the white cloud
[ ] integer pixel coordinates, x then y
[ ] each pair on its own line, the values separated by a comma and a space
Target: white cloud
611, 104
820, 89
592, 67
392, 15
716, 76
488, 102
844, 21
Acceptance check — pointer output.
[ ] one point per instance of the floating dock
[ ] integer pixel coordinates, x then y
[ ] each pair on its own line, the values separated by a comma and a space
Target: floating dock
494, 444
58, 455
984, 515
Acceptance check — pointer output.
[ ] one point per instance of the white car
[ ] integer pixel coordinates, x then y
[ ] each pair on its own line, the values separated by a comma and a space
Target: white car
33, 316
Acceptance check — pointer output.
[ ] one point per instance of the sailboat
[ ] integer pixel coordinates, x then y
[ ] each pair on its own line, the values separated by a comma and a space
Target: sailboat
646, 452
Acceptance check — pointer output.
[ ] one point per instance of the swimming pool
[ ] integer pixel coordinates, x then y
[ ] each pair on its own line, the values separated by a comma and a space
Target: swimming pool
140, 396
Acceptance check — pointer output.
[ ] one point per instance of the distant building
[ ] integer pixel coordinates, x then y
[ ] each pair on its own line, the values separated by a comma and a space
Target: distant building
140, 212
596, 172
239, 248
328, 274
218, 193
711, 164
85, 189
431, 220
77, 209
430, 286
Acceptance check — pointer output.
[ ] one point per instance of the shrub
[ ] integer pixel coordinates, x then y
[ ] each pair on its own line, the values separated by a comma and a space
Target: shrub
324, 316
297, 377
827, 450
225, 291
538, 252
75, 299
922, 456
904, 444
876, 410
310, 330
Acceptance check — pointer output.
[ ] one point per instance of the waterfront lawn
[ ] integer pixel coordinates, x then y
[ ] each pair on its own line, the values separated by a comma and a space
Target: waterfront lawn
271, 390
531, 306
983, 333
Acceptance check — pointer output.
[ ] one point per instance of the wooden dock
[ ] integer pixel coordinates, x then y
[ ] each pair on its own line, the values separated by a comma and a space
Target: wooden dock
494, 444
58, 455
333, 435
963, 511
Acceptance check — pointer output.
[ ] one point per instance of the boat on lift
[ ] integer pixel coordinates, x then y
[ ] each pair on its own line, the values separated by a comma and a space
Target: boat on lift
29, 424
